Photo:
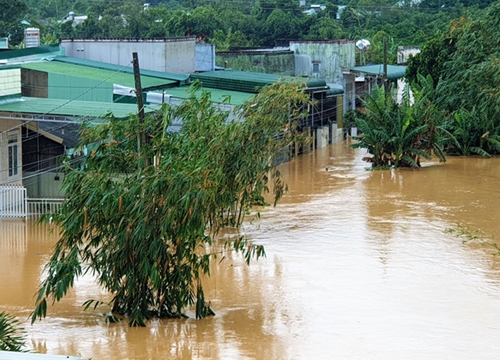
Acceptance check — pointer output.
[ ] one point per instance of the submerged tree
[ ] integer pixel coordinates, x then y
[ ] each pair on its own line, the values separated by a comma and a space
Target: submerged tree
400, 134
143, 223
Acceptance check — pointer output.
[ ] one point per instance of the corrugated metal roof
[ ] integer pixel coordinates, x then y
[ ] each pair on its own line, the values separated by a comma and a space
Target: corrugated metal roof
393, 71
81, 109
243, 81
66, 134
217, 95
87, 72
34, 52
182, 78
248, 81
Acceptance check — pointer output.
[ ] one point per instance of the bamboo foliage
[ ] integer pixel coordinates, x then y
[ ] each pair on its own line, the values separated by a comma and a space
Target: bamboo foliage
12, 337
146, 232
400, 135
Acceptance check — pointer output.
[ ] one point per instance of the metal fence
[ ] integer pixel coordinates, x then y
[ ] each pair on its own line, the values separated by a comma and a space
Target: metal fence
13, 201
40, 206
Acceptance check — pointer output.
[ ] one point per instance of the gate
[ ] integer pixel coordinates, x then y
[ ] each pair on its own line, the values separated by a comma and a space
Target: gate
13, 201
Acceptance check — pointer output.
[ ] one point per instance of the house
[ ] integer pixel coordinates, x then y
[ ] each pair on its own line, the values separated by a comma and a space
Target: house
46, 95
10, 132
36, 131
324, 116
327, 60
278, 61
44, 130
404, 53
370, 75
61, 78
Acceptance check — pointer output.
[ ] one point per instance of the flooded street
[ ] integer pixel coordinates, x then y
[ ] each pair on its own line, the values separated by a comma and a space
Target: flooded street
358, 266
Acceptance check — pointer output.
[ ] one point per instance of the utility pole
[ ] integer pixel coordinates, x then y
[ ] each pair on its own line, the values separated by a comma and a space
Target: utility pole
141, 138
386, 84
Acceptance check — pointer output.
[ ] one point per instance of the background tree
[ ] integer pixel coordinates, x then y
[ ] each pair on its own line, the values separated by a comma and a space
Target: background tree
431, 59
11, 14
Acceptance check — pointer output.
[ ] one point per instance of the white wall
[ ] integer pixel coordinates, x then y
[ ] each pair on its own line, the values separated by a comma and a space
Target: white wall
170, 55
333, 56
8, 127
10, 82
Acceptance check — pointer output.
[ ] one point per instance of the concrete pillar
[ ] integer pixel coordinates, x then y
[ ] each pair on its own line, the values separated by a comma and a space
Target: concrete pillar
340, 135
309, 145
354, 131
322, 137
334, 133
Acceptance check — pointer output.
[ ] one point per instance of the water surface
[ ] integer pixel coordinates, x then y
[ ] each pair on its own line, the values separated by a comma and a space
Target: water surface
358, 267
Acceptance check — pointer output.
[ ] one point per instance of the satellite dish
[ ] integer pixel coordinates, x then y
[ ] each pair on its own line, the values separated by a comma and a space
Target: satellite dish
363, 44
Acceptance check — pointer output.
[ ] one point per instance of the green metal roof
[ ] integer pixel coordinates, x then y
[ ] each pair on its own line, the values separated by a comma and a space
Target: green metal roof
38, 52
333, 91
82, 109
217, 95
183, 78
393, 71
97, 74
247, 81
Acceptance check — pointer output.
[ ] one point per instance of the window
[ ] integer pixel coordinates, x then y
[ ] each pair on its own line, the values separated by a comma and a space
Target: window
315, 65
13, 158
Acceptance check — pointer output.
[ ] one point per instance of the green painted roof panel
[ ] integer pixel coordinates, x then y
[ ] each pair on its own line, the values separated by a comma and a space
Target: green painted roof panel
393, 71
217, 95
247, 81
37, 52
84, 109
243, 81
182, 78
101, 75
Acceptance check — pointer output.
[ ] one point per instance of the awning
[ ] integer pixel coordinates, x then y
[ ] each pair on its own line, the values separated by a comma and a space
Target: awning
393, 71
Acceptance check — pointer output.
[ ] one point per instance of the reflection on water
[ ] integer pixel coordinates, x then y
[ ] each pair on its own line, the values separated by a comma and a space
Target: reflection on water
358, 267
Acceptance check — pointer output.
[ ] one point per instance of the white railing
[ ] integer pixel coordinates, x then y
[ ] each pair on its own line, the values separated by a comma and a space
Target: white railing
13, 201
40, 206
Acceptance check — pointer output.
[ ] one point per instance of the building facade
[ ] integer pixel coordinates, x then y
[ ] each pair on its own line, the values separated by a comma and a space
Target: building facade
176, 55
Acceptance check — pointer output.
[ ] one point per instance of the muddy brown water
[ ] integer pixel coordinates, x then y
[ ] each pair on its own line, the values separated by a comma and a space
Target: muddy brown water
358, 266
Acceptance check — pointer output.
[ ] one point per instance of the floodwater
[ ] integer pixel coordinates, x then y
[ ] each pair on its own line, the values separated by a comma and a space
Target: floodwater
358, 266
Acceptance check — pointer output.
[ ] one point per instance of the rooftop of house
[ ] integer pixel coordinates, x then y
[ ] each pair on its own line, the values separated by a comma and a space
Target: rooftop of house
31, 54
217, 95
181, 78
45, 108
56, 53
249, 82
110, 76
393, 71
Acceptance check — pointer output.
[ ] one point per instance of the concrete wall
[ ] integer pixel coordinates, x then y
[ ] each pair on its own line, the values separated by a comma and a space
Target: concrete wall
205, 57
170, 55
10, 127
35, 83
331, 57
404, 53
46, 185
269, 62
10, 82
